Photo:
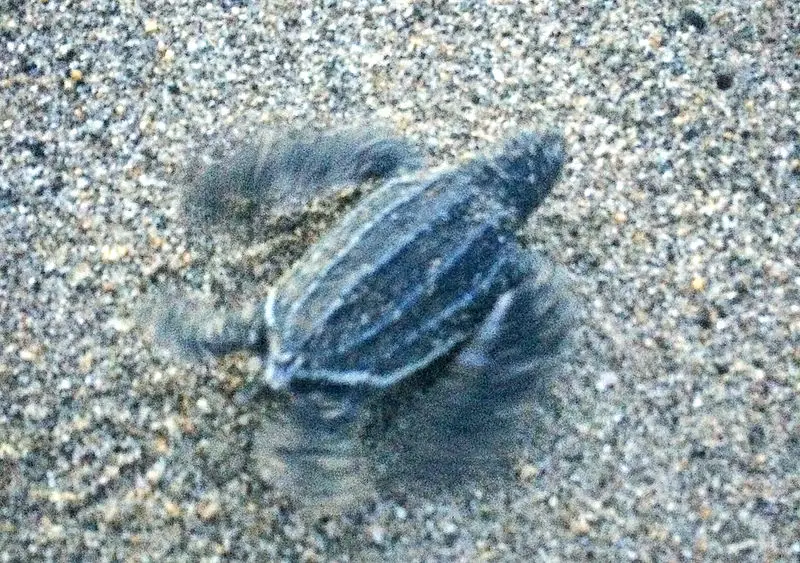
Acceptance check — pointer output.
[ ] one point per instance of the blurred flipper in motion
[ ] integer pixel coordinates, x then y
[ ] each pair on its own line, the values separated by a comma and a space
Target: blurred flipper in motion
470, 421
287, 170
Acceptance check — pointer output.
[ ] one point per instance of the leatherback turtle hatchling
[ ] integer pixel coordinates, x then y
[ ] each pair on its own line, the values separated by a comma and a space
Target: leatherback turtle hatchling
425, 269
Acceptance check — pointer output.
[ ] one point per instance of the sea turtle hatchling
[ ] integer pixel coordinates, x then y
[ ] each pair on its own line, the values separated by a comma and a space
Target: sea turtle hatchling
424, 270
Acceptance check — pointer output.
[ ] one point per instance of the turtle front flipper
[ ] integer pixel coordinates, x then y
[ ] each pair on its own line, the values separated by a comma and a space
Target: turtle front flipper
312, 448
289, 168
475, 414
525, 333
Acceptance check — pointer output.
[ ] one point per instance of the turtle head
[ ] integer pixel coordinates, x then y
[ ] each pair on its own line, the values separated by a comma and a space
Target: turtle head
528, 166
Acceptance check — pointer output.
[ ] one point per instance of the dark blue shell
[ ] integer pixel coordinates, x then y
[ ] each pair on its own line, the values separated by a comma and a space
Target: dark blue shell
410, 272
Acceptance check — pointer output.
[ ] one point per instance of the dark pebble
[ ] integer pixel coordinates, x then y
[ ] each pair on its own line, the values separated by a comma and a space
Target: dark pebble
694, 19
724, 80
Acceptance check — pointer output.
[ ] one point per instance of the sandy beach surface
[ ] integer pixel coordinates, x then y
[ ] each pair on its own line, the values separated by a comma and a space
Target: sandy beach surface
677, 218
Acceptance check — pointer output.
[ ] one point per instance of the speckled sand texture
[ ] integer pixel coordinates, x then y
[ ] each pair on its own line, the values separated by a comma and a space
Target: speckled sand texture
677, 216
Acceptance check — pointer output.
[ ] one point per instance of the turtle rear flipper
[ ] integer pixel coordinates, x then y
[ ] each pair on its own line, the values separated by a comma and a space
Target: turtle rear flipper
288, 170
472, 419
198, 331
312, 449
